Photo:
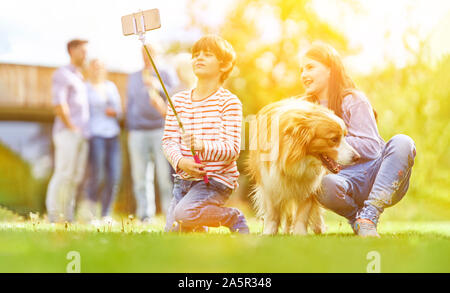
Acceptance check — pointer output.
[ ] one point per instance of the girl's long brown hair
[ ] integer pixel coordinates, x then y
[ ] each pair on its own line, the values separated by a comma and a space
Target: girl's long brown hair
340, 84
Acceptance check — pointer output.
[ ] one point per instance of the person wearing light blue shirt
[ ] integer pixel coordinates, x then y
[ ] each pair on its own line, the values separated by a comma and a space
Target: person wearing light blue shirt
104, 143
146, 109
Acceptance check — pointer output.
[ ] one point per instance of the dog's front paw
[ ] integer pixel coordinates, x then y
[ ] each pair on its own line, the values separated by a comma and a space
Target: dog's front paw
270, 228
319, 229
300, 228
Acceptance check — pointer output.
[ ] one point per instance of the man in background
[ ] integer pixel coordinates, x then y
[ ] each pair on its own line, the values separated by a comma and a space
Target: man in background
70, 133
146, 109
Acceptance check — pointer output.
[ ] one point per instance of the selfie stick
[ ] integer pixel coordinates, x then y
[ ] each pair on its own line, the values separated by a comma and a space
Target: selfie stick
141, 34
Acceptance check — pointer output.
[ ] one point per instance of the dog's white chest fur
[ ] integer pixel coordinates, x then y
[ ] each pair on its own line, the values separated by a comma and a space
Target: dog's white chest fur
302, 181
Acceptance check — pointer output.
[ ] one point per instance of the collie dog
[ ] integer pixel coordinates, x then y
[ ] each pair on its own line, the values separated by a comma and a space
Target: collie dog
293, 144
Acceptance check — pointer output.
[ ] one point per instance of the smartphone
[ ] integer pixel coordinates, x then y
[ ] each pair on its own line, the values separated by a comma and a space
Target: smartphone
141, 22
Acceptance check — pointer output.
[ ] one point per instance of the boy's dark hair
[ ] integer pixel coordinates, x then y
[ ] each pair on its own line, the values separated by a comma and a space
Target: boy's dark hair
75, 43
221, 48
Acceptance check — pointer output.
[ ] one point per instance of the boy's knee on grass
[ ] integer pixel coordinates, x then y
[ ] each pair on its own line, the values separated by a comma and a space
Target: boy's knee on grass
186, 216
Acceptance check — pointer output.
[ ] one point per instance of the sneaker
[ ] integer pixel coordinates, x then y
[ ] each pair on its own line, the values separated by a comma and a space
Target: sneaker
365, 228
240, 226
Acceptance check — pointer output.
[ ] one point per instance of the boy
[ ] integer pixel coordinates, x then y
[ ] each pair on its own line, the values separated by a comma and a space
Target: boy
212, 118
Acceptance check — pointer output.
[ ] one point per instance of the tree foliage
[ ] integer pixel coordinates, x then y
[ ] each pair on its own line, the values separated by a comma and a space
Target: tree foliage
267, 37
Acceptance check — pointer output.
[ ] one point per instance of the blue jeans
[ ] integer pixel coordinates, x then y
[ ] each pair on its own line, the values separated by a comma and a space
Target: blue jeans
364, 190
104, 169
195, 205
146, 157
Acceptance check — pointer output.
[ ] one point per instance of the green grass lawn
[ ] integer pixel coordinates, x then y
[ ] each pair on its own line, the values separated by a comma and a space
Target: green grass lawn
27, 246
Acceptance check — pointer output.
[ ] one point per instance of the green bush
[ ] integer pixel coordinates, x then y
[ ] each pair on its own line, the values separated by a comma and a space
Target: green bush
19, 190
9, 216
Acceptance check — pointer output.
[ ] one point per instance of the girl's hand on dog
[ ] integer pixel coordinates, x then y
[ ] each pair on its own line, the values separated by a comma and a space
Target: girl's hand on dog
191, 167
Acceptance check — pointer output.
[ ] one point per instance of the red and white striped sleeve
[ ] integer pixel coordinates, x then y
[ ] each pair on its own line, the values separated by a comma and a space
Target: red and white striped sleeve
227, 147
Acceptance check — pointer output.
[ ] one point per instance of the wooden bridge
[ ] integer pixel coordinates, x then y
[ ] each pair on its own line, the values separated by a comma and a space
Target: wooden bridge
25, 92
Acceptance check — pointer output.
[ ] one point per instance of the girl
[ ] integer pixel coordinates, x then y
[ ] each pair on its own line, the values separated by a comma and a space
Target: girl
381, 178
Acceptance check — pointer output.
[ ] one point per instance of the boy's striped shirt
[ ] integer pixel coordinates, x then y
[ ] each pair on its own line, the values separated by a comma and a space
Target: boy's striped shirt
217, 121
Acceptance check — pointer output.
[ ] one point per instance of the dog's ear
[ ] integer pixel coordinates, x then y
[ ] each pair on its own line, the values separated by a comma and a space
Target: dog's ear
298, 132
305, 135
291, 123
300, 129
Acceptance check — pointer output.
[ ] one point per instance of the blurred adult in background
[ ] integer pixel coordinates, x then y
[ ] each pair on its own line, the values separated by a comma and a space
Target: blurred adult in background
146, 109
104, 144
182, 63
183, 67
70, 133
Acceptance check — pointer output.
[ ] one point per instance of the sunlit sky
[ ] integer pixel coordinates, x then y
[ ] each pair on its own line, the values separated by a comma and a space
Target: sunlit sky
36, 32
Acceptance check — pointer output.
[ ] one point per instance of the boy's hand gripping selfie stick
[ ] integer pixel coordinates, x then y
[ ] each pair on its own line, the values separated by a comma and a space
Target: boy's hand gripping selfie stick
138, 24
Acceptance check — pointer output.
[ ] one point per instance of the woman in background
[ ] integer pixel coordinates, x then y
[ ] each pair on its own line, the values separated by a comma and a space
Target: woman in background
104, 144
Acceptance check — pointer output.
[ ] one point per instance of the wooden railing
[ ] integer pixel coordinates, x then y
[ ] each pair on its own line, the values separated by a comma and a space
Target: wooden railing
25, 95
25, 91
